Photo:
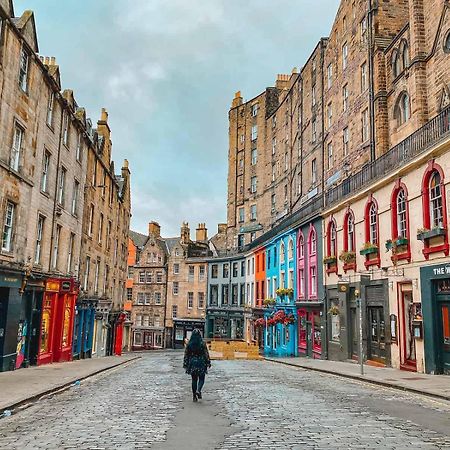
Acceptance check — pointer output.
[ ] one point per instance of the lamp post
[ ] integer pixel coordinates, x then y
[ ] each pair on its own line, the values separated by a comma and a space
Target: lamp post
360, 356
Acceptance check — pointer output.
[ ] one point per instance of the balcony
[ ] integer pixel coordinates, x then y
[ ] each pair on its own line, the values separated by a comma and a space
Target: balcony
417, 143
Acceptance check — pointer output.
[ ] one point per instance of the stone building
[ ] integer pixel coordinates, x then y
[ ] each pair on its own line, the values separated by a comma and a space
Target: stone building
186, 284
41, 195
148, 291
372, 137
46, 141
104, 249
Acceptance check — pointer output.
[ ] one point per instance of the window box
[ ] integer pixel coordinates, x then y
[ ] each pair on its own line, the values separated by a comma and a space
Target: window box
369, 249
347, 257
424, 234
269, 302
400, 241
282, 291
329, 260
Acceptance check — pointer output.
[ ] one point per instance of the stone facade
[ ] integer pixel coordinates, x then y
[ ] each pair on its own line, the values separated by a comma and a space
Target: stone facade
149, 276
47, 149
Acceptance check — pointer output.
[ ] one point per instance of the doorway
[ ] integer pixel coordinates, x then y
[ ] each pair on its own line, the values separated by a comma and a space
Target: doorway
376, 344
354, 334
407, 341
4, 297
444, 338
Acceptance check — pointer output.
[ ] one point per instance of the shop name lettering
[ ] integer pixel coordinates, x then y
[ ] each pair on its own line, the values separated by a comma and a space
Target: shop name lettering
10, 280
442, 270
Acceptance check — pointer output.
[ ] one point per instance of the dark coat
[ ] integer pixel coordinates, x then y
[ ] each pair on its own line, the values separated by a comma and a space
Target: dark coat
196, 362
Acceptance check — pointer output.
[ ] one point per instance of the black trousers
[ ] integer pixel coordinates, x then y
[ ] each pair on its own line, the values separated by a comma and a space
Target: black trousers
197, 382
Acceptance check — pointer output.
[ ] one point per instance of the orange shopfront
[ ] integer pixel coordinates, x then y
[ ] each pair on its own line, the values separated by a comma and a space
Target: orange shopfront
58, 311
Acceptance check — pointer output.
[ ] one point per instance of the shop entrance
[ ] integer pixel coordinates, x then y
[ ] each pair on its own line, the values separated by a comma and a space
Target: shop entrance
376, 345
309, 333
407, 341
4, 294
443, 326
354, 334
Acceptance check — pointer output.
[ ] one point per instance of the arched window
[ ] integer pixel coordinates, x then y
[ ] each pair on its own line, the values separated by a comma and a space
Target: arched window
349, 232
312, 260
332, 238
405, 55
436, 210
312, 243
282, 253
301, 265
373, 224
402, 229
394, 64
290, 249
402, 110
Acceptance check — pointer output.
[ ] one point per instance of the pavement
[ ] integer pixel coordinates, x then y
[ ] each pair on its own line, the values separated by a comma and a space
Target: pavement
256, 405
25, 385
437, 386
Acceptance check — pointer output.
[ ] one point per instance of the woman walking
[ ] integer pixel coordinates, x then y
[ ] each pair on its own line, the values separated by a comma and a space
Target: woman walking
196, 362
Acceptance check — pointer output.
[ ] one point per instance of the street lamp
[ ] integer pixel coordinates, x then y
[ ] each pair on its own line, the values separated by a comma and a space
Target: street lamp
360, 356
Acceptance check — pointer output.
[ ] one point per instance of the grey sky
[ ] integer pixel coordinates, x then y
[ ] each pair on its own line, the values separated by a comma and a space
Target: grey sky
167, 70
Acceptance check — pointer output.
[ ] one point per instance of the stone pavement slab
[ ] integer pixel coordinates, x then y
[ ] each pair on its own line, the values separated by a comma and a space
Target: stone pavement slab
19, 386
431, 385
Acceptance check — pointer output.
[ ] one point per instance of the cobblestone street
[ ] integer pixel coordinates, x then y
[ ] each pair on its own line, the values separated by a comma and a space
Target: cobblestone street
247, 404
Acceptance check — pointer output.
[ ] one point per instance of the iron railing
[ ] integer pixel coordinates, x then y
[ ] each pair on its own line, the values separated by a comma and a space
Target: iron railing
418, 142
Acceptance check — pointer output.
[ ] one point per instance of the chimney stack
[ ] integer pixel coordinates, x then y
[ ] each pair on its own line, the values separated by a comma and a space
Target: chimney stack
185, 233
237, 100
201, 234
154, 228
282, 81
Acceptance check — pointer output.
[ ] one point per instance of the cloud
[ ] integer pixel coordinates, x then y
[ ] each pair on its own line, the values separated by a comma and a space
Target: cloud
167, 70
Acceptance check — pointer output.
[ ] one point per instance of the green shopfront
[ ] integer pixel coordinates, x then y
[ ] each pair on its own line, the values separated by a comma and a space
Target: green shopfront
435, 291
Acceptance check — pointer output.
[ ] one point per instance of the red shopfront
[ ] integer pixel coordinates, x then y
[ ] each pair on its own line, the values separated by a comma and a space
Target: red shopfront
58, 312
118, 335
310, 330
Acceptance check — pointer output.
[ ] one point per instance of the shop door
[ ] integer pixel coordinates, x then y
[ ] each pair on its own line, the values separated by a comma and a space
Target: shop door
444, 336
4, 294
309, 341
376, 346
354, 334
36, 311
408, 343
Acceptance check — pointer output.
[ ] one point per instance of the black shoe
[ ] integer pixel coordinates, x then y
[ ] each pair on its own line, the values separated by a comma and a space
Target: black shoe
199, 395
194, 398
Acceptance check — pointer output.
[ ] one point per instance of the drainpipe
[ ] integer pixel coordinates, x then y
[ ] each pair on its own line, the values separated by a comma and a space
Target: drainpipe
322, 51
56, 185
371, 80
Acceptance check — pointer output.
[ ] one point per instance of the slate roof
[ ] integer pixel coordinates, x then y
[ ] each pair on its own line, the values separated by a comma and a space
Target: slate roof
171, 243
139, 239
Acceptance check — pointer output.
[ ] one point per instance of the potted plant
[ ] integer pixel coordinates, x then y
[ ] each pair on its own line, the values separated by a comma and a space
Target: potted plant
389, 244
368, 249
334, 310
269, 302
347, 257
289, 292
328, 260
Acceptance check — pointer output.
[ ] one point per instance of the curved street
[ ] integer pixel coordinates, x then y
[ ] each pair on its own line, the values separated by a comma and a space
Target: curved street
246, 404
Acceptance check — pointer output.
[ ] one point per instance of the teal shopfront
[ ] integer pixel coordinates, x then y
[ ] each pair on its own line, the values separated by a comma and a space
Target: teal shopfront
11, 323
435, 290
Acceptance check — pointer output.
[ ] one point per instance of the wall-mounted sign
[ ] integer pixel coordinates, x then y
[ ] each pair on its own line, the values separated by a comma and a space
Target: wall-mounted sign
66, 285
52, 286
442, 270
393, 321
10, 281
251, 228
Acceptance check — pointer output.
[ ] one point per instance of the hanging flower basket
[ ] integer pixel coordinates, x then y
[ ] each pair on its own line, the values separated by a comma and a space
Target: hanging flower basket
289, 319
260, 322
334, 310
285, 291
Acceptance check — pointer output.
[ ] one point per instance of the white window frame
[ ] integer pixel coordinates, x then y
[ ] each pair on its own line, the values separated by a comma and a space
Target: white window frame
24, 67
253, 212
190, 300
91, 220
253, 184
62, 186
8, 227
75, 194
45, 171
50, 108
70, 253
56, 241
254, 156
344, 56
39, 235
254, 132
16, 147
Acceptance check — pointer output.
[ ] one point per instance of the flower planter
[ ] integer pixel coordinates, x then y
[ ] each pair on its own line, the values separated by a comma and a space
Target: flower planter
368, 251
429, 234
329, 260
401, 241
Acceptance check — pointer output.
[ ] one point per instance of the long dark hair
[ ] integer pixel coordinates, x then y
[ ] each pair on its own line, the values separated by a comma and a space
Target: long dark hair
196, 341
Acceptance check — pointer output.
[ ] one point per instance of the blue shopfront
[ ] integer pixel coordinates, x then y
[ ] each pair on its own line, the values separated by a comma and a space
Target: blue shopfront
280, 313
84, 328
